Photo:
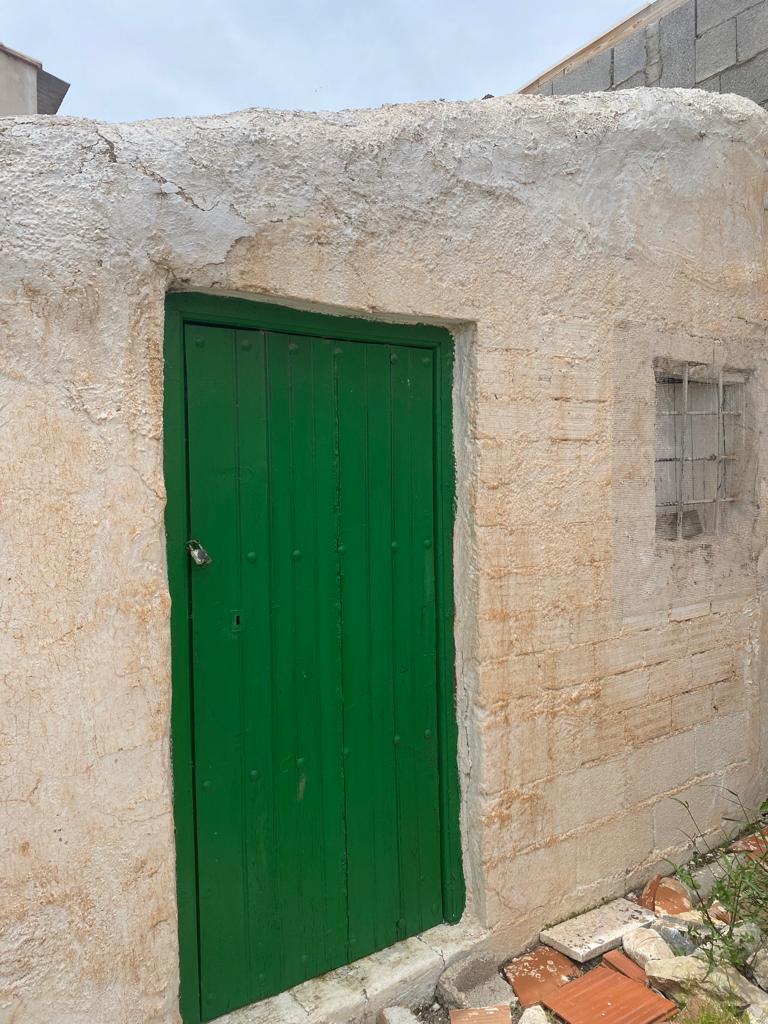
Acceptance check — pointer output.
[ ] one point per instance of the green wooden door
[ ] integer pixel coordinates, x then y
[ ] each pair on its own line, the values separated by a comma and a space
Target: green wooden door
315, 654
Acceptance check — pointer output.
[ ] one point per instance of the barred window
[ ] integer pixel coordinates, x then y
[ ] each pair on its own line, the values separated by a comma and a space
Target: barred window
700, 415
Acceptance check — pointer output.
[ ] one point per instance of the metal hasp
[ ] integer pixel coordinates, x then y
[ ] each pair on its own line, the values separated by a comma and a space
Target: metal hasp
320, 763
197, 553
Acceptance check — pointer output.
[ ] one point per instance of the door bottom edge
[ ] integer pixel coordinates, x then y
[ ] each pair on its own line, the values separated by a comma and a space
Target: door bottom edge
404, 974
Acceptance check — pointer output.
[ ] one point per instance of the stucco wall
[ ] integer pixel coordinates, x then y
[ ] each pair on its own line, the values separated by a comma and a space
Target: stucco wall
567, 243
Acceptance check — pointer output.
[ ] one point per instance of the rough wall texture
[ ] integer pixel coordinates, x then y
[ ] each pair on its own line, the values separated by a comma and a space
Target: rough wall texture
567, 242
718, 45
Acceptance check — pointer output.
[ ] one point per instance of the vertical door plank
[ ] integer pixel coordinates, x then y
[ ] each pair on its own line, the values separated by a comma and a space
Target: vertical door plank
265, 921
212, 432
369, 726
309, 781
414, 638
323, 720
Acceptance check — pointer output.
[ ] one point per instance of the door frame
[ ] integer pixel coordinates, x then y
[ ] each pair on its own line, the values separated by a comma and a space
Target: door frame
182, 308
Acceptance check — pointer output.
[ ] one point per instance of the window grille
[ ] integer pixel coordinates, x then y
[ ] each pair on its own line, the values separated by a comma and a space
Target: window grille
700, 415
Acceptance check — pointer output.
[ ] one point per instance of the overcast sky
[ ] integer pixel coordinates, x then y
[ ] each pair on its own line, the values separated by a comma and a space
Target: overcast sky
145, 58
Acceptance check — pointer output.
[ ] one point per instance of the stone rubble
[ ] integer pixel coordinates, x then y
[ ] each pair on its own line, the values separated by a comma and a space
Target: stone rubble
759, 969
681, 976
533, 1015
668, 949
474, 982
676, 937
645, 944
397, 1015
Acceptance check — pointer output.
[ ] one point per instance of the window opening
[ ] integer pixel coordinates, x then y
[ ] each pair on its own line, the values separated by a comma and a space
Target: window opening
699, 447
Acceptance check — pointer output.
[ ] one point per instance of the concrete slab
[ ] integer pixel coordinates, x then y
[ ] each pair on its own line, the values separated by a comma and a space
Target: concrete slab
588, 935
282, 1009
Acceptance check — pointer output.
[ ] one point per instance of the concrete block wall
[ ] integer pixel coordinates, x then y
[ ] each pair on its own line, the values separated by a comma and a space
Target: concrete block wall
718, 45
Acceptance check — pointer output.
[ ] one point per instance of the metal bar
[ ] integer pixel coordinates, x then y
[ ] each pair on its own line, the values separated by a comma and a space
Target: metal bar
720, 442
682, 455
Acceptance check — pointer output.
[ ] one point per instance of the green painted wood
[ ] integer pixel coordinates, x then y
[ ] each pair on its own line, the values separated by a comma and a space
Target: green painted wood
325, 797
414, 638
177, 533
218, 677
310, 882
262, 855
365, 459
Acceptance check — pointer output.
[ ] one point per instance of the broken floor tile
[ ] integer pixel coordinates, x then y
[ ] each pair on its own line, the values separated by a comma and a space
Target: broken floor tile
620, 962
718, 913
606, 996
597, 931
647, 897
474, 982
482, 1015
537, 972
666, 896
756, 845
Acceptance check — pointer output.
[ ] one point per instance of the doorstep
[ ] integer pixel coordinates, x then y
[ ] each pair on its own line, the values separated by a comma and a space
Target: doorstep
404, 974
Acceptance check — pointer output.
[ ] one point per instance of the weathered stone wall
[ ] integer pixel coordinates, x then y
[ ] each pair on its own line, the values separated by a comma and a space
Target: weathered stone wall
719, 45
567, 243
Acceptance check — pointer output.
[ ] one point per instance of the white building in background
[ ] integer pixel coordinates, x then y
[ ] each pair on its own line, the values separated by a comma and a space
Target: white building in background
25, 88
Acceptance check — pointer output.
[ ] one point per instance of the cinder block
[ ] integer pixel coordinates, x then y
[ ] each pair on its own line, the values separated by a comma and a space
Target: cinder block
691, 611
677, 43
594, 75
721, 742
716, 50
752, 31
712, 666
728, 696
672, 823
648, 723
615, 847
635, 82
712, 12
620, 654
692, 709
627, 690
629, 57
670, 678
660, 767
710, 84
578, 798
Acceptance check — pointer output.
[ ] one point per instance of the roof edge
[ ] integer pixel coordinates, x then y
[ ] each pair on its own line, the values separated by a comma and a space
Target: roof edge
644, 16
20, 56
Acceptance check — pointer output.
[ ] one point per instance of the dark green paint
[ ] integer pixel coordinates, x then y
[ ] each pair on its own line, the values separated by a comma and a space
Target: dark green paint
316, 791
